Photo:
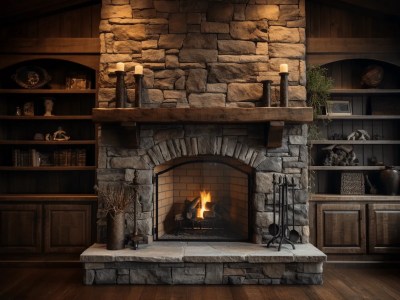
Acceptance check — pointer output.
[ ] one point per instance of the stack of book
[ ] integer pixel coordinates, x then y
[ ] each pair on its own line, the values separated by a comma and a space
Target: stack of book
64, 157
25, 158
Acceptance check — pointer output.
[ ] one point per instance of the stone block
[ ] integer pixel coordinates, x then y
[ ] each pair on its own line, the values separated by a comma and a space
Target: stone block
259, 12
177, 23
262, 48
297, 92
244, 91
217, 88
116, 11
152, 55
127, 47
207, 100
136, 32
236, 47
171, 61
189, 275
265, 281
168, 134
297, 140
88, 277
143, 177
287, 50
275, 270
197, 81
200, 41
220, 12
281, 34
313, 268
166, 6
232, 72
150, 44
151, 276
177, 95
234, 272
259, 202
105, 276
214, 27
198, 55
171, 41
123, 279
128, 163
236, 280
289, 12
248, 30
302, 278
271, 164
142, 4
264, 182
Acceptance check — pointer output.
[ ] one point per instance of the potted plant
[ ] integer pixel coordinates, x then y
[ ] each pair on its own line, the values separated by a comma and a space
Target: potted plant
318, 87
116, 199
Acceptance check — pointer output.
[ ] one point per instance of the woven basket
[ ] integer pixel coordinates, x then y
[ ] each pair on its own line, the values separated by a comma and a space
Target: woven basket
352, 183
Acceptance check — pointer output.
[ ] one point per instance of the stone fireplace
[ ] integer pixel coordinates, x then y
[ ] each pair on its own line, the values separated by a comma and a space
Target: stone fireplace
203, 54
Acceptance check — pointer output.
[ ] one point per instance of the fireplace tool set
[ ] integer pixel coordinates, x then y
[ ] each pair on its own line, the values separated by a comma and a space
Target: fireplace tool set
279, 229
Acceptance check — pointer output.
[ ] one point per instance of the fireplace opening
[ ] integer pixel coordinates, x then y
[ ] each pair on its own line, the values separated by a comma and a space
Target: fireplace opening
202, 200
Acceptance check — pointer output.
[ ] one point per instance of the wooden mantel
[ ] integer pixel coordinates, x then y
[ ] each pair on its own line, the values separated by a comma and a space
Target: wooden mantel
273, 117
204, 115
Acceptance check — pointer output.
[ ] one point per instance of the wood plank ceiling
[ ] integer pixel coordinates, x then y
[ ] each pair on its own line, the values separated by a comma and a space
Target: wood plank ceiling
13, 11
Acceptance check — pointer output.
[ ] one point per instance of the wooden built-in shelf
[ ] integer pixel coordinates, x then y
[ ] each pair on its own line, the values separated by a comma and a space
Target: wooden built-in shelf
49, 168
41, 118
359, 117
48, 197
204, 115
367, 197
346, 168
49, 143
47, 91
354, 142
365, 91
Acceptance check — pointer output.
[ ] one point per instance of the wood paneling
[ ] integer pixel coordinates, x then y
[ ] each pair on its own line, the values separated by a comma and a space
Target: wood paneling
341, 228
384, 224
67, 228
20, 228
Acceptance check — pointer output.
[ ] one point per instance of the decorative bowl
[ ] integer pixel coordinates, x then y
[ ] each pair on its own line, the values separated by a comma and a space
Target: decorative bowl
31, 77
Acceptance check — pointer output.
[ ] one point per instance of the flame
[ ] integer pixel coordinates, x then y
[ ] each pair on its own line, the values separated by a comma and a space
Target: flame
205, 197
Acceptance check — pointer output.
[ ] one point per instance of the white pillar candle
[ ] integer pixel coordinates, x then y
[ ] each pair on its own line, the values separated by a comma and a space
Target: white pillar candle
138, 70
283, 68
120, 67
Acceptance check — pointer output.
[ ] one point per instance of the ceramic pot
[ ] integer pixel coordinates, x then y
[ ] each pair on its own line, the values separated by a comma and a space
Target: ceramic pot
390, 180
115, 230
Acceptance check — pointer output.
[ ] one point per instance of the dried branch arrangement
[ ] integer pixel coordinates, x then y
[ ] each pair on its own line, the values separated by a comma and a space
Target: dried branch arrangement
116, 198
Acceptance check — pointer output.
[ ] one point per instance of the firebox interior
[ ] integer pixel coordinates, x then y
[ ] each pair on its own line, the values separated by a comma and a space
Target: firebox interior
202, 200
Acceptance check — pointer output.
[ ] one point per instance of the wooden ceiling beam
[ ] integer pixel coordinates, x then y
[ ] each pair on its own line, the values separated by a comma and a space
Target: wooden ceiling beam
388, 7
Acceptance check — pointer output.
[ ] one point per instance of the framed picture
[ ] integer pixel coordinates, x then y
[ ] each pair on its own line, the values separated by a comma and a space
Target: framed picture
77, 82
338, 108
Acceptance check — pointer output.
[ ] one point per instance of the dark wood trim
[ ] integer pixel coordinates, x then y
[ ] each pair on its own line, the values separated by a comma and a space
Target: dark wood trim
48, 197
322, 51
50, 45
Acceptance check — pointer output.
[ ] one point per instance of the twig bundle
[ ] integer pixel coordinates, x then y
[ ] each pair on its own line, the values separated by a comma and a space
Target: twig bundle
116, 198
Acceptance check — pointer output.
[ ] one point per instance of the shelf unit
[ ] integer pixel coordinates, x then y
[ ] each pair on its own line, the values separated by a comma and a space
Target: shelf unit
357, 224
54, 202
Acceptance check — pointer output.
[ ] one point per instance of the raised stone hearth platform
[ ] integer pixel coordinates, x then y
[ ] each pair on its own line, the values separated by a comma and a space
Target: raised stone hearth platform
203, 263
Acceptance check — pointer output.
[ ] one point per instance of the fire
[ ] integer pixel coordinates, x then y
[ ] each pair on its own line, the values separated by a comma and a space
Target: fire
205, 197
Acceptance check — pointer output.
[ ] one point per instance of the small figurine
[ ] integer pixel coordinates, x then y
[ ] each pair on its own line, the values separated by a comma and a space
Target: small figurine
18, 111
60, 135
29, 109
48, 107
359, 134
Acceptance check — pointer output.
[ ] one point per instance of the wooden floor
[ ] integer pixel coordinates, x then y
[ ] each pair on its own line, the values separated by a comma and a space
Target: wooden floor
341, 281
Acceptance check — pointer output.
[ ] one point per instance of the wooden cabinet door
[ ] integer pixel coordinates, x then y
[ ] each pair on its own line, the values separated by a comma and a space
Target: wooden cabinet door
67, 228
20, 228
384, 228
341, 228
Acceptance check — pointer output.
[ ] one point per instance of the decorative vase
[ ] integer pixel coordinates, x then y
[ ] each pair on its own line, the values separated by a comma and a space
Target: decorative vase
115, 230
390, 180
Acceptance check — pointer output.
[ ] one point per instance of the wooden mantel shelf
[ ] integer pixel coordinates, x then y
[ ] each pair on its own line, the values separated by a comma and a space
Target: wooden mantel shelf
204, 115
273, 117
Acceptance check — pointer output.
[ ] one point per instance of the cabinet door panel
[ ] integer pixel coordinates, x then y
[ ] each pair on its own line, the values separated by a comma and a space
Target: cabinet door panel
67, 228
20, 228
341, 228
384, 232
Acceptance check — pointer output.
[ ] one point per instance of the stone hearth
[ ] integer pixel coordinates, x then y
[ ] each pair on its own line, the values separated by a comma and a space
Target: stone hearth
203, 263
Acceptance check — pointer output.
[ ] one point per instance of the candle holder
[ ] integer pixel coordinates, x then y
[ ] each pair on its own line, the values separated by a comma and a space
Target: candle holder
121, 94
284, 92
266, 97
138, 89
